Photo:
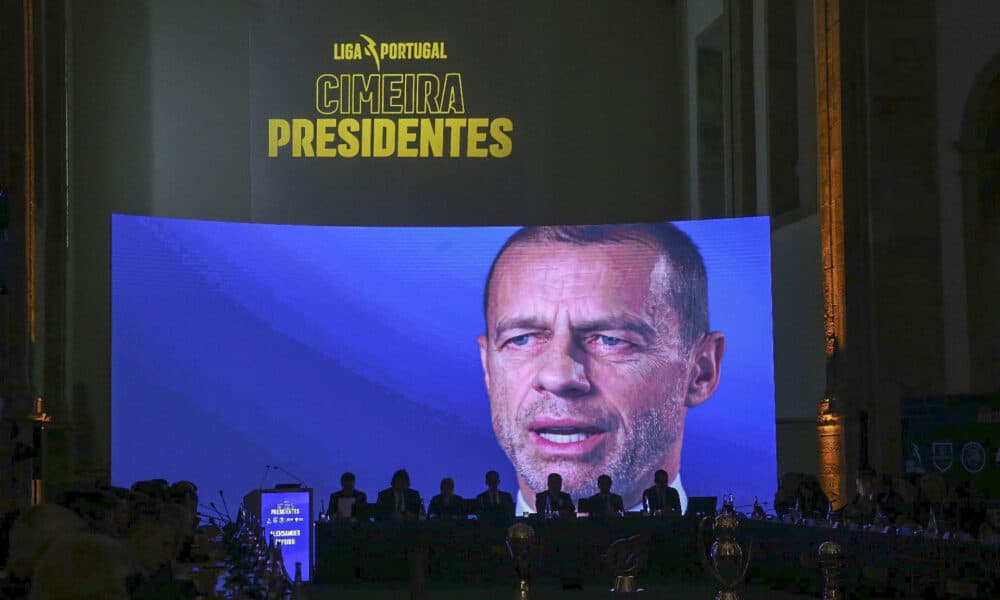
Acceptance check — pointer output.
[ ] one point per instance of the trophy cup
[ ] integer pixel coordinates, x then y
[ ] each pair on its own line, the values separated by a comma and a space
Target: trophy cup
520, 543
725, 561
626, 556
831, 561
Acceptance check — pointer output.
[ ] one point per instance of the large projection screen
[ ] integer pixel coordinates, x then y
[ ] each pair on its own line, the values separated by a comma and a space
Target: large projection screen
245, 355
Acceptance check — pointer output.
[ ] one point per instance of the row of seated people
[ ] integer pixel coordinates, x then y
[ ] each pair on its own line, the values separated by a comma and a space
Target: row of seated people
400, 502
914, 502
105, 542
920, 501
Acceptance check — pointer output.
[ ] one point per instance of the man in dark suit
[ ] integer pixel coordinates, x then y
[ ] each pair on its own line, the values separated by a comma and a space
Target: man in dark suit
447, 504
554, 500
398, 502
354, 501
493, 504
603, 503
661, 498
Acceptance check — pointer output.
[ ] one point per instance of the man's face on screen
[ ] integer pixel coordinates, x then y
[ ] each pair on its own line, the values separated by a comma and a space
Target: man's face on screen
585, 364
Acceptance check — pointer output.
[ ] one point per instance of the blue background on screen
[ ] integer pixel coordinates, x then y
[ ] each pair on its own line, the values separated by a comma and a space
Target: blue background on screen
325, 349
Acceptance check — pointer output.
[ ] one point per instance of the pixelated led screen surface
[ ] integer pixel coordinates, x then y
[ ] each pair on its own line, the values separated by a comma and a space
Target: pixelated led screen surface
246, 355
285, 516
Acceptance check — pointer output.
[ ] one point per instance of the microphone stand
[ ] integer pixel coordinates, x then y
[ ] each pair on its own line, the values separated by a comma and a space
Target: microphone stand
292, 475
267, 469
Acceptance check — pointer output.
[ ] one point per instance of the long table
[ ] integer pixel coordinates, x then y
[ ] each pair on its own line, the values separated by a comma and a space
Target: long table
573, 549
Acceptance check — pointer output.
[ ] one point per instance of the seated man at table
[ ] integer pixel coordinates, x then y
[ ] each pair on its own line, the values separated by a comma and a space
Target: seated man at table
398, 502
811, 500
864, 507
603, 503
661, 498
554, 500
447, 504
493, 504
345, 503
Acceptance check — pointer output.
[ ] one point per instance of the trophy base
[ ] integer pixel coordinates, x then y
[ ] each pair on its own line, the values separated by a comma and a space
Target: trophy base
522, 591
728, 595
625, 584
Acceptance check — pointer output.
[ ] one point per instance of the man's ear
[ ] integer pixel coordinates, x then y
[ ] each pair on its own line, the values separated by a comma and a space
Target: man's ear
482, 358
706, 362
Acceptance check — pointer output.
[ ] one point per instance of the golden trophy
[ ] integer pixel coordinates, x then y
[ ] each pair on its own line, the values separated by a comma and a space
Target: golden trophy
831, 561
520, 543
725, 561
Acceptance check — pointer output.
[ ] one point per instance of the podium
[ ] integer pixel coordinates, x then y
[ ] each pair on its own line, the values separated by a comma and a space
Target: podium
286, 515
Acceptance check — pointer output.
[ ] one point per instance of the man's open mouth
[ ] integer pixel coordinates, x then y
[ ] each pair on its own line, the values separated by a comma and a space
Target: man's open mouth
565, 435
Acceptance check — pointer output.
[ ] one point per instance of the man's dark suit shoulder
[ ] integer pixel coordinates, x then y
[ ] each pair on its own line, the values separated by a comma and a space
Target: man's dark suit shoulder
563, 503
438, 507
386, 502
502, 497
596, 504
652, 498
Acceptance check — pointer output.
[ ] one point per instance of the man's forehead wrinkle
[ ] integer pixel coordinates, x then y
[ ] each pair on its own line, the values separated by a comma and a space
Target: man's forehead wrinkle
590, 278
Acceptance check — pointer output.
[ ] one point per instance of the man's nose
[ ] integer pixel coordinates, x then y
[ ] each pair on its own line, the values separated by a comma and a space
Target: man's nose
562, 371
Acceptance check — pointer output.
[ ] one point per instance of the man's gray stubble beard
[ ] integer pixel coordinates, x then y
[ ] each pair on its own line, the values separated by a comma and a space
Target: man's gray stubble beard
643, 451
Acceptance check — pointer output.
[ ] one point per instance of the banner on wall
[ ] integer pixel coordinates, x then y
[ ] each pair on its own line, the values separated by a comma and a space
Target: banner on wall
462, 112
954, 437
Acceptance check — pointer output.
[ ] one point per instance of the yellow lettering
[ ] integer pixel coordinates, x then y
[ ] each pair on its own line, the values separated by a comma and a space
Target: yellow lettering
384, 136
428, 87
327, 94
452, 99
365, 88
431, 138
347, 130
278, 134
407, 136
324, 137
499, 129
455, 127
302, 137
366, 138
477, 135
392, 99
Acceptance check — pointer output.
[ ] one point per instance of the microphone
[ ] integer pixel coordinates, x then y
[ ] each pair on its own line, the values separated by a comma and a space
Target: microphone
222, 517
214, 509
223, 496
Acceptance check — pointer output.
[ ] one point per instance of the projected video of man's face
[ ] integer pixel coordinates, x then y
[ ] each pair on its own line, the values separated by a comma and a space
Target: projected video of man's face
596, 345
258, 354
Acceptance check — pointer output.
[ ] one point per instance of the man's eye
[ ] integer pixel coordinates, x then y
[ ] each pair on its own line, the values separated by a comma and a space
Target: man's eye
520, 340
609, 344
608, 340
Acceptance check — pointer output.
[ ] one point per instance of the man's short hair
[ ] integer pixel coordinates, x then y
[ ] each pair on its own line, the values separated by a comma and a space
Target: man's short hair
494, 473
348, 476
688, 283
399, 476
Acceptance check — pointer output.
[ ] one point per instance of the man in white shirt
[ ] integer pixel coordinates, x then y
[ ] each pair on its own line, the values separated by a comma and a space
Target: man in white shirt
344, 503
597, 343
